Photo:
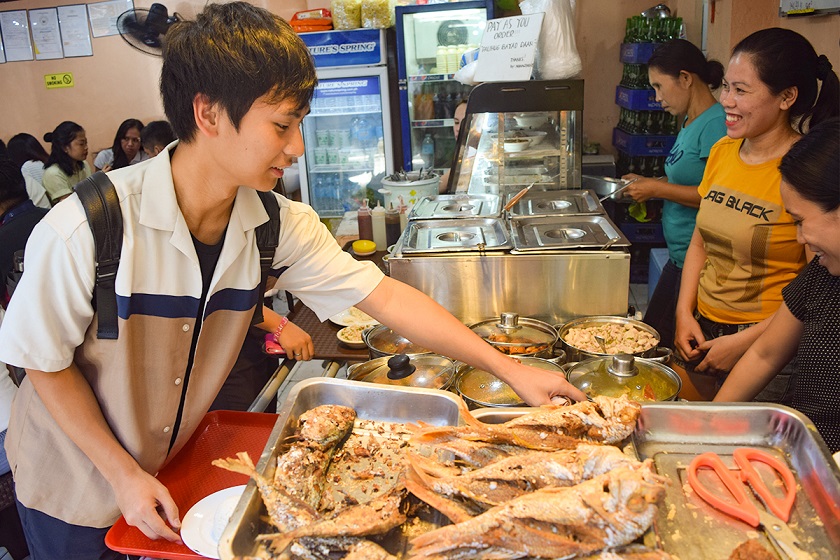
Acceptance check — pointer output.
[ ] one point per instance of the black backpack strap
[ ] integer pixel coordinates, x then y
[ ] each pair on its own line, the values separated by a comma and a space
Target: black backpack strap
102, 208
268, 235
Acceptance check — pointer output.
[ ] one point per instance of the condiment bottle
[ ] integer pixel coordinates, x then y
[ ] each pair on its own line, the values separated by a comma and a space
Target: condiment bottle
378, 223
403, 209
365, 221
392, 225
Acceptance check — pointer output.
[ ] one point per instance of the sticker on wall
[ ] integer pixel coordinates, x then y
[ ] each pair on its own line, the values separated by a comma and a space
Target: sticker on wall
61, 80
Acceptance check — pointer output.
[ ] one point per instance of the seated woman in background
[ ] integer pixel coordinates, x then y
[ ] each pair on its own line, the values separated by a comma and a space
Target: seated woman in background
744, 249
125, 150
67, 164
683, 81
29, 154
155, 136
808, 322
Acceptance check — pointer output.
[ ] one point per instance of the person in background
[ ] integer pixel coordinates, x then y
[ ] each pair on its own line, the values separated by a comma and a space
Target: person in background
807, 324
744, 249
155, 136
67, 163
125, 150
458, 116
95, 419
26, 151
683, 81
18, 216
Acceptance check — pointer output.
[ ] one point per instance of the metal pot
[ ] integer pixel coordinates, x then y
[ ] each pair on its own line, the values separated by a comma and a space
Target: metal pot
429, 371
518, 336
480, 388
576, 354
623, 374
383, 342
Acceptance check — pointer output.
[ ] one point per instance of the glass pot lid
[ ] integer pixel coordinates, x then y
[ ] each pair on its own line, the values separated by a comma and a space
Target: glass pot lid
623, 374
485, 389
429, 371
386, 341
513, 334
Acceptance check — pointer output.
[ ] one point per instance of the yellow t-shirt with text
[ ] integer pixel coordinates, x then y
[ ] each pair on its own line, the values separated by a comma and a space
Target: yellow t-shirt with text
750, 239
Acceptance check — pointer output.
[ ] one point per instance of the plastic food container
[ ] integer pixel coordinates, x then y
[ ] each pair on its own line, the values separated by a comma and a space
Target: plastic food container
623, 374
518, 336
427, 371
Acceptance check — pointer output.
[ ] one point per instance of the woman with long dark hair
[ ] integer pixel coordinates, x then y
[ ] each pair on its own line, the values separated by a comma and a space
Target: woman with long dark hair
808, 322
683, 81
29, 154
126, 149
744, 249
67, 163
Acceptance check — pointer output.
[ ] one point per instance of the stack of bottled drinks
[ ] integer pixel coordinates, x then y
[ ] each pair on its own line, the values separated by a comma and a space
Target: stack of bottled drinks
641, 29
646, 166
647, 122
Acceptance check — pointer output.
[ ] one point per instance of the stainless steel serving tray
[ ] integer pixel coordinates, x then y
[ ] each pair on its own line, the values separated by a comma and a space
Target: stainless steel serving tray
672, 434
565, 232
443, 236
371, 402
556, 203
448, 206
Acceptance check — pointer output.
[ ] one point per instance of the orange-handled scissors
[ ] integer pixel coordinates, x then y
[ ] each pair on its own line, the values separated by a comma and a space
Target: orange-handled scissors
743, 507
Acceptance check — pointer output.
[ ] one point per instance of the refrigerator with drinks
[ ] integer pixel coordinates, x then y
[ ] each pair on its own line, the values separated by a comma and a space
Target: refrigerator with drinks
347, 134
431, 40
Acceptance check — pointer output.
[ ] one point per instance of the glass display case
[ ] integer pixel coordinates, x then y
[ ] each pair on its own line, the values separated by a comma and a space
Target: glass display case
518, 133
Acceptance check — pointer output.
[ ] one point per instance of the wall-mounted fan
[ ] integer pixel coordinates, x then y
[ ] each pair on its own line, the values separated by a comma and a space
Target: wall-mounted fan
145, 30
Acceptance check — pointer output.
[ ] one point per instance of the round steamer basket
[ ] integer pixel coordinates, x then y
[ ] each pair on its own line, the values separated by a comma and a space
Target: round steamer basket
411, 190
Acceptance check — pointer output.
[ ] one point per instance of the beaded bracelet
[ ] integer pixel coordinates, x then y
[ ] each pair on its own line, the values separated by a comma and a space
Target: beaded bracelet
283, 322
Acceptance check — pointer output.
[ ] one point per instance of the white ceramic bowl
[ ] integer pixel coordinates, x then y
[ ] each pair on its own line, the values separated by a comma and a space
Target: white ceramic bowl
352, 335
516, 144
530, 121
536, 136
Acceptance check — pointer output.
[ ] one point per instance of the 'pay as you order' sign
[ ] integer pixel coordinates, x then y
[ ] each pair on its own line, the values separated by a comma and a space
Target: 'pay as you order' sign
508, 48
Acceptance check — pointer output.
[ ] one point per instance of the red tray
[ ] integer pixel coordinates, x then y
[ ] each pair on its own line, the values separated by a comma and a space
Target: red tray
190, 476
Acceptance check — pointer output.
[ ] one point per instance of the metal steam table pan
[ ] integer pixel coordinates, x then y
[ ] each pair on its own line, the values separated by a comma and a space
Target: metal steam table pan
565, 232
672, 434
441, 236
447, 206
371, 402
557, 203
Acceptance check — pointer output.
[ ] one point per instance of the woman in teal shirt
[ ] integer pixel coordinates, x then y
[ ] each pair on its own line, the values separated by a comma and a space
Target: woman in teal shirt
683, 80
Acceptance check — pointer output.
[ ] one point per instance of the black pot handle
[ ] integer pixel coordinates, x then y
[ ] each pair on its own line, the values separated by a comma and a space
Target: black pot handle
400, 367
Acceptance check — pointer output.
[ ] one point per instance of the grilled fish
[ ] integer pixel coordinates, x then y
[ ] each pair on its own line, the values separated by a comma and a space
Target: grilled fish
608, 511
602, 420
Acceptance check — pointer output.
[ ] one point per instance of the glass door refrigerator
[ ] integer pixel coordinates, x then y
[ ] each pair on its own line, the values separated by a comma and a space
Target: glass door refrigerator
347, 133
430, 41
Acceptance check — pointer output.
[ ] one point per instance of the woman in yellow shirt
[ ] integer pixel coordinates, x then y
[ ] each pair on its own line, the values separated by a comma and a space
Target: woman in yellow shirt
744, 250
68, 160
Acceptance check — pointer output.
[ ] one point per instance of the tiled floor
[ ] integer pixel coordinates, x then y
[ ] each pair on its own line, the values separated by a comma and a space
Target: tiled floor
638, 298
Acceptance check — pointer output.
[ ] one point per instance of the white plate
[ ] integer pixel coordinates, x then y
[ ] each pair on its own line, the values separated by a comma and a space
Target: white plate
205, 521
352, 316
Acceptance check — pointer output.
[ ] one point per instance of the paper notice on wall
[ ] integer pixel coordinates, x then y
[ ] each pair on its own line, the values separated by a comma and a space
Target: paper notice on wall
508, 48
15, 29
75, 35
103, 16
45, 34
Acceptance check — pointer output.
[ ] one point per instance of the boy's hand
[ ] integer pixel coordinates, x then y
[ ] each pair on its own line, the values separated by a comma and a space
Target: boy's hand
146, 504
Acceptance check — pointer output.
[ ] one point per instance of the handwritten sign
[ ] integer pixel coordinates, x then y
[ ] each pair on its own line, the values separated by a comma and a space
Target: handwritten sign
61, 80
508, 48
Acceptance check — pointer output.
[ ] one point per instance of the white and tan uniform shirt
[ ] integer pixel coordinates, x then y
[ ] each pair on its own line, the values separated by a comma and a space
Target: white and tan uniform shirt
137, 379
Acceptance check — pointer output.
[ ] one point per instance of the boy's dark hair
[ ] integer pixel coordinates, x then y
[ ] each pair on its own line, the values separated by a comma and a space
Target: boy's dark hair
783, 59
679, 55
24, 147
812, 165
12, 184
234, 54
61, 138
157, 133
120, 158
